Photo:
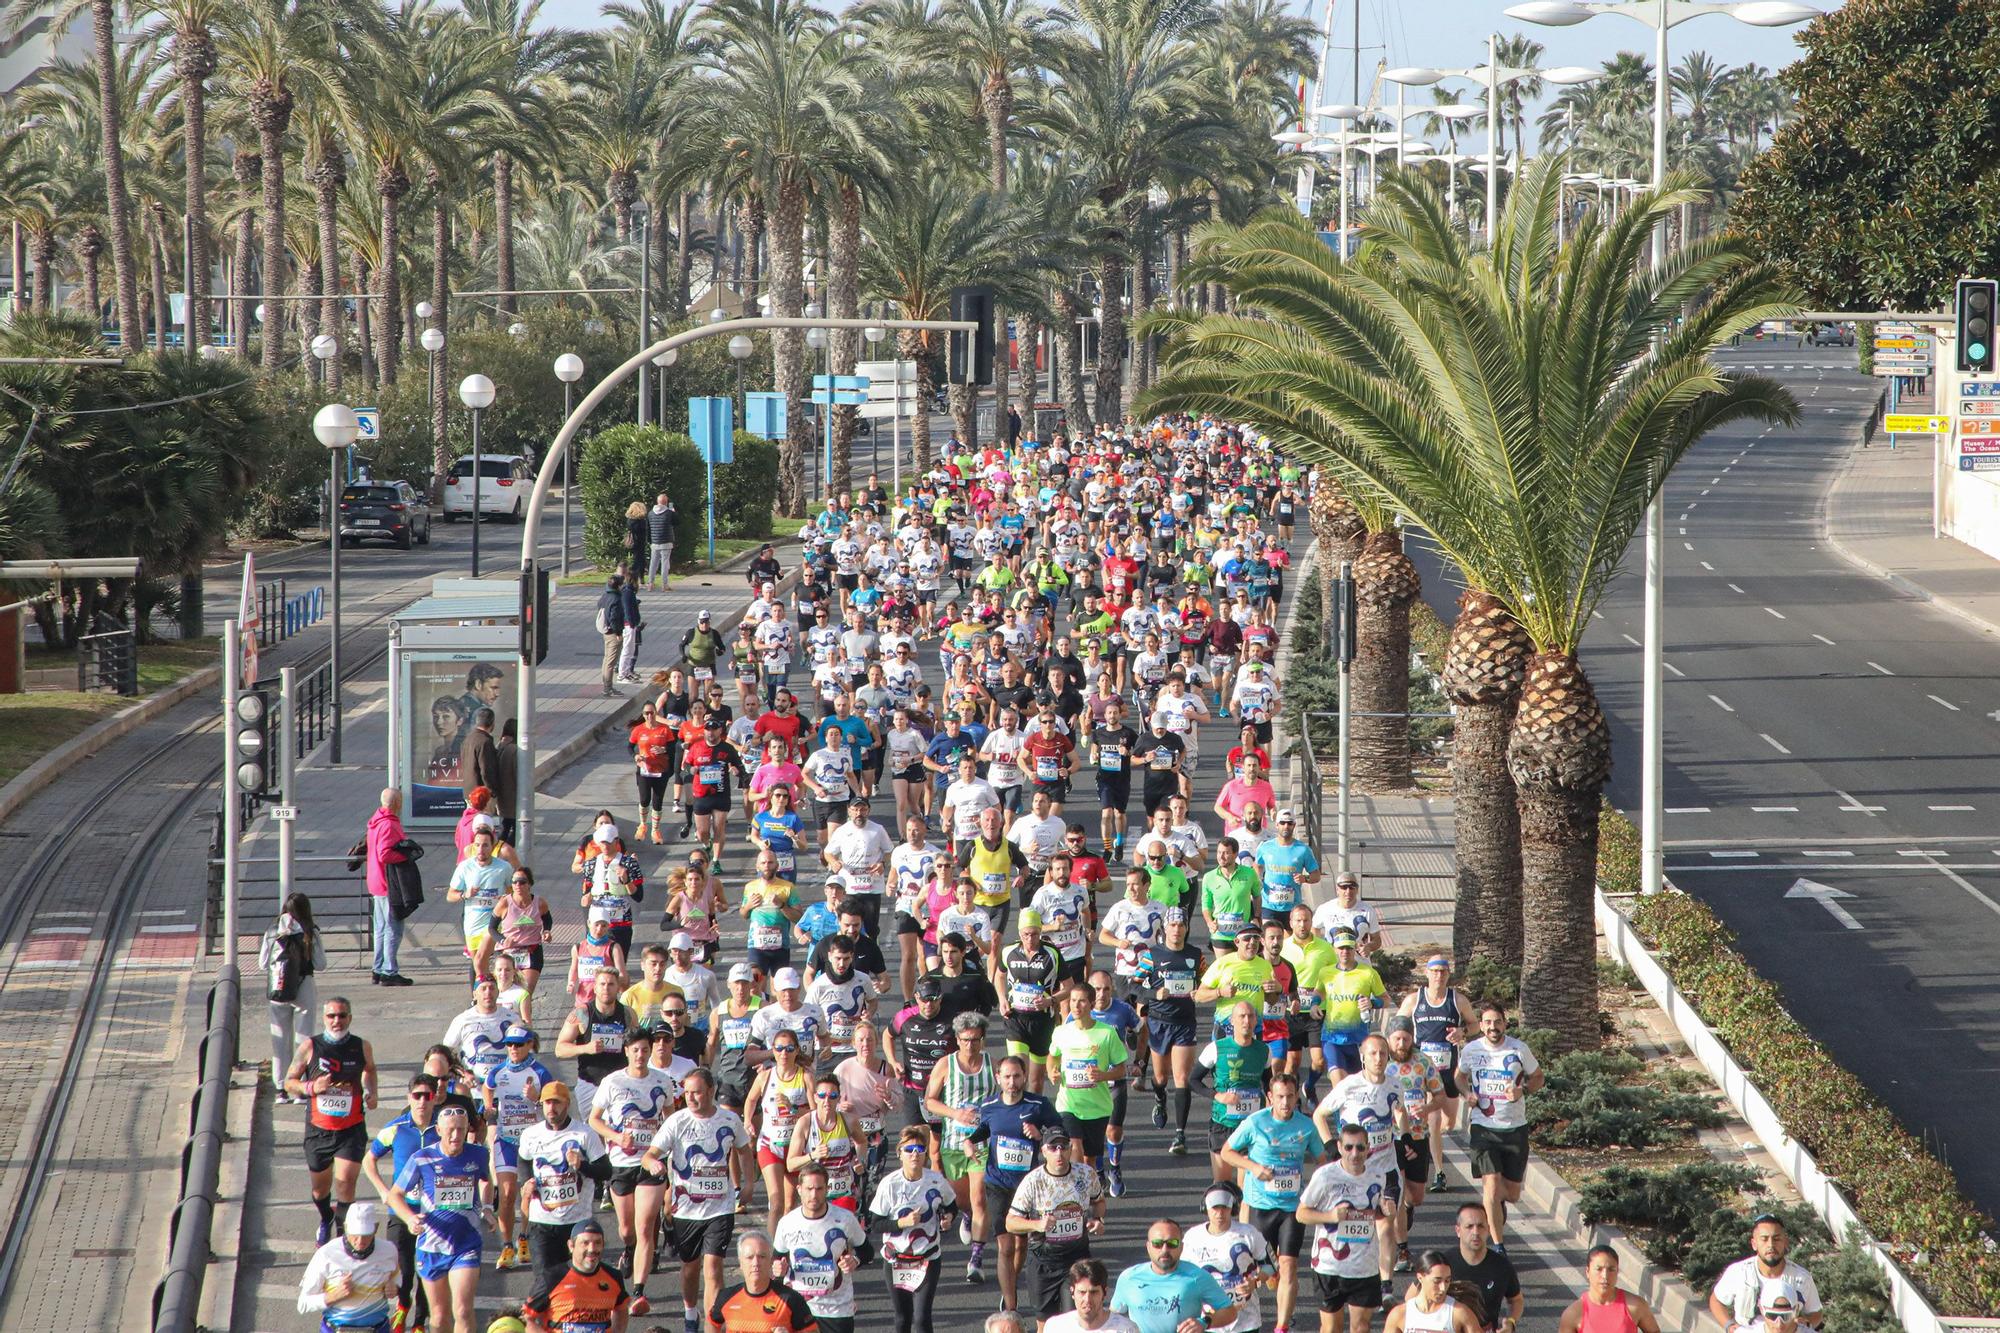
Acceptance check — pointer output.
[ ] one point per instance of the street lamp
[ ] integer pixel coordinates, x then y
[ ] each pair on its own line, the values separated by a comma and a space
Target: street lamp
817, 340
517, 330
643, 215
432, 340
569, 369
1660, 16
336, 427
660, 363
717, 315
1408, 76
425, 310
476, 392
1346, 111
740, 347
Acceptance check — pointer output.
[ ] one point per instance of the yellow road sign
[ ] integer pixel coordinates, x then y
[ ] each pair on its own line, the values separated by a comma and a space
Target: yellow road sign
1909, 423
1888, 344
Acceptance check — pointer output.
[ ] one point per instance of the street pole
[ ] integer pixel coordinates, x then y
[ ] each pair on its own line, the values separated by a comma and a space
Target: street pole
478, 485
645, 309
232, 798
288, 764
1492, 137
333, 460
1652, 725
1346, 703
569, 483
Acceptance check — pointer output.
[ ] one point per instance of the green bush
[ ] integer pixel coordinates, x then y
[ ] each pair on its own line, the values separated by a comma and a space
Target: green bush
635, 463
1617, 853
1671, 1207
1590, 1100
1904, 1195
1490, 981
746, 489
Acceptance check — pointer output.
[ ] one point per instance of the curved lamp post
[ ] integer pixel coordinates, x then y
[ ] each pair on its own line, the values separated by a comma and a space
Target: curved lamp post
476, 392
569, 369
336, 427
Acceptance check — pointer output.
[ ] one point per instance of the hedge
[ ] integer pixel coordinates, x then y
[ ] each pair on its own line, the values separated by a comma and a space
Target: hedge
628, 463
1906, 1197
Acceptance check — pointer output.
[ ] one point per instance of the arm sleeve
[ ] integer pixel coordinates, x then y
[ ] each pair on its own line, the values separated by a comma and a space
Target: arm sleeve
312, 1283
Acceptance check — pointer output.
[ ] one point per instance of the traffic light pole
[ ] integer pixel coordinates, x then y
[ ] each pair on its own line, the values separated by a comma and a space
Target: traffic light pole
288, 761
232, 802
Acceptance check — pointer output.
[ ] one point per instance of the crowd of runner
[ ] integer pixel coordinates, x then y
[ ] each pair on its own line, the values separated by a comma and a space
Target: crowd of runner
920, 969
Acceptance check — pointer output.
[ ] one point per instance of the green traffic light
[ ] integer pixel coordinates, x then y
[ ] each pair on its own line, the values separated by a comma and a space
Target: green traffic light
1976, 351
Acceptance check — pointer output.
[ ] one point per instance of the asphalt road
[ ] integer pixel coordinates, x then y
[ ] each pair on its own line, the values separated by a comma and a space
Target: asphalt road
1825, 735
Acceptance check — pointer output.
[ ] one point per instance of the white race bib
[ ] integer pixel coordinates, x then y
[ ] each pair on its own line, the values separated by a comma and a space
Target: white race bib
1283, 1181
1013, 1154
335, 1103
1065, 1225
455, 1196
1077, 1072
704, 1186
908, 1274
766, 938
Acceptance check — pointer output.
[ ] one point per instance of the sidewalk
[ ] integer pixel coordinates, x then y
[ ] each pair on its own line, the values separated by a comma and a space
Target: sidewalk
1878, 515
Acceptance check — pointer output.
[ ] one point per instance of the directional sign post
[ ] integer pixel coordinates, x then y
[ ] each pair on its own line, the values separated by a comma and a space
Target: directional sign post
831, 391
370, 421
1824, 895
1912, 423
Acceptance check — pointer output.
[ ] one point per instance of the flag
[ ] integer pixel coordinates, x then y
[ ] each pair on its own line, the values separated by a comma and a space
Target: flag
1302, 102
248, 622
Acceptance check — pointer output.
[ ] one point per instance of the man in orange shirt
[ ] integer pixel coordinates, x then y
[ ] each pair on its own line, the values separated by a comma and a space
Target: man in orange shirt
588, 1297
759, 1303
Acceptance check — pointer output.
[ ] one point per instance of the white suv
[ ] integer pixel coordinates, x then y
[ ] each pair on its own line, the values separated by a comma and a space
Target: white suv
505, 482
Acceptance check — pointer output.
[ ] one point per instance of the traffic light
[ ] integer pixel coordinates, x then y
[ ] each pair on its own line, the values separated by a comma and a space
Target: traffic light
973, 365
535, 616
1977, 300
251, 729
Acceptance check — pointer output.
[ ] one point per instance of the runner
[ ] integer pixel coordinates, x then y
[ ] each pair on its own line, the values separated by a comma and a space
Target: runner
1234, 1253
1486, 1270
1238, 1062
1059, 1207
997, 867
1168, 975
1431, 1307
1352, 993
1370, 1101
1110, 1011
437, 1197
1028, 977
1012, 1123
335, 1071
958, 1086
1085, 1059
1090, 1290
1422, 1093
1603, 1308
912, 1205
1273, 1149
819, 1248
778, 1098
1499, 1073
1751, 1288
1344, 1203
760, 1303
1166, 1293
351, 1283
693, 1152
628, 1110
560, 1153
513, 1103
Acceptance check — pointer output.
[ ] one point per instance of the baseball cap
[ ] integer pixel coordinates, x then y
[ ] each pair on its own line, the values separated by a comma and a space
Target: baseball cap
1403, 1023
1344, 939
788, 979
557, 1091
1055, 1136
1219, 1198
930, 989
742, 972
681, 940
587, 1227
599, 915
704, 614
517, 1036
1286, 816
362, 1219
1031, 920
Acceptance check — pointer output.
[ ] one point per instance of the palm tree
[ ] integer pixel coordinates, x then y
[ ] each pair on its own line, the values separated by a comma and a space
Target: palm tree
1518, 52
192, 25
1523, 407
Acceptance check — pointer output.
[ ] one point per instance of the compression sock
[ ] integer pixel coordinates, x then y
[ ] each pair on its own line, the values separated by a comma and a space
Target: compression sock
1111, 1153
1160, 1095
1183, 1099
977, 1252
340, 1217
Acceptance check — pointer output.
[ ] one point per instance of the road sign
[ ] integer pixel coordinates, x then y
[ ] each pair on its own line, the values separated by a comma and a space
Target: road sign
839, 382
1979, 462
370, 421
1988, 426
285, 813
1894, 328
1905, 344
1979, 389
1979, 407
1824, 895
1911, 423
1979, 445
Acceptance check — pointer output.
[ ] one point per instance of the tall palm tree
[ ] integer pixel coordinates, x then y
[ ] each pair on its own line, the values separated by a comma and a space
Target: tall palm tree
779, 96
191, 53
1523, 407
1518, 52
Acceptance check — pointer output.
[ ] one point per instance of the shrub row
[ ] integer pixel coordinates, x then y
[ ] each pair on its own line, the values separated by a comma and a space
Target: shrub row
1906, 1197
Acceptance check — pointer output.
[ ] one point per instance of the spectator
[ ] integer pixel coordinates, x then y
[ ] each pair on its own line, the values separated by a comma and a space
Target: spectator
507, 781
479, 758
611, 624
660, 536
635, 533
290, 954
628, 644
385, 831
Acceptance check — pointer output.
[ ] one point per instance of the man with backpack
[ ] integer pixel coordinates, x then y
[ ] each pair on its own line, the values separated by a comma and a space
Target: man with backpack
611, 624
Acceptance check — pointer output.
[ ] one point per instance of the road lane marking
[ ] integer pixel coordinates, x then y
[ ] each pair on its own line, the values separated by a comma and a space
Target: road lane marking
1676, 670
1774, 809
1854, 805
1822, 852
1735, 589
1944, 703
1634, 642
1965, 884
1686, 810
1773, 741
1779, 614
1732, 856
1704, 564
1951, 808
1717, 701
1828, 642
1879, 667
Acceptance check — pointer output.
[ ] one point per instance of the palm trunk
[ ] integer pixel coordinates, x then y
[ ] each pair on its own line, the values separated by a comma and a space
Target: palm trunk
1027, 384
997, 95
1069, 364
913, 346
271, 111
89, 250
391, 184
362, 316
1110, 405
248, 168
45, 269
663, 252
194, 58
156, 267
1483, 668
117, 203
503, 232
329, 173
964, 404
750, 234
1385, 583
624, 188
1142, 301
683, 254
440, 297
844, 302
788, 241
1560, 756
1176, 264
1338, 529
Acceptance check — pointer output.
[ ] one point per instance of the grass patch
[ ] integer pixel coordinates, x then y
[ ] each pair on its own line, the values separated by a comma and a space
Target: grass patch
168, 663
726, 548
33, 724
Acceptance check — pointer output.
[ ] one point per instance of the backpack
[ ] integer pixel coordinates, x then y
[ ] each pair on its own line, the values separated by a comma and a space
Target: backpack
602, 627
290, 966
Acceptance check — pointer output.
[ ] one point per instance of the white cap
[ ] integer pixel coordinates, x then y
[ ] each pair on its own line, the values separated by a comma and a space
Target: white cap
742, 972
362, 1219
599, 914
1219, 1198
681, 940
604, 830
788, 979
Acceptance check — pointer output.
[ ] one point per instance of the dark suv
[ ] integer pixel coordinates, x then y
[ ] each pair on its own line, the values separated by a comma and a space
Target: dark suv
386, 510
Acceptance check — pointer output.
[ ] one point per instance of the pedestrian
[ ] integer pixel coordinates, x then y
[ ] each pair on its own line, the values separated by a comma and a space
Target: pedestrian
1750, 1289
764, 567
507, 779
660, 524
479, 756
635, 534
290, 954
611, 624
1604, 1308
385, 832
628, 642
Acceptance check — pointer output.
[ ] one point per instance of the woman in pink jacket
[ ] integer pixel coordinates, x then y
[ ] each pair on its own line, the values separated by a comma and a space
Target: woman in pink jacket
385, 830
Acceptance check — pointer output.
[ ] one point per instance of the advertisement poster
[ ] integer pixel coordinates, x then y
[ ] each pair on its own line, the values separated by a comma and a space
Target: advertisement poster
442, 690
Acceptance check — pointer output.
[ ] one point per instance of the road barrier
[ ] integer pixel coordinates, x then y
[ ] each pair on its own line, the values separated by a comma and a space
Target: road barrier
177, 1296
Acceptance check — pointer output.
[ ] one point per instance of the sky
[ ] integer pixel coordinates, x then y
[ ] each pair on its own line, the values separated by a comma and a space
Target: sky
1450, 34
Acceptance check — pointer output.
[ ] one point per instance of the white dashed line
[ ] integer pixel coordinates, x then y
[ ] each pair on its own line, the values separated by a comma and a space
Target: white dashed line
1821, 852
1716, 699
1773, 742
1705, 565
1676, 670
1879, 667
1823, 639
1856, 806
1774, 809
1779, 614
1736, 856
1634, 642
1737, 590
1705, 490
1943, 703
1687, 810
1951, 809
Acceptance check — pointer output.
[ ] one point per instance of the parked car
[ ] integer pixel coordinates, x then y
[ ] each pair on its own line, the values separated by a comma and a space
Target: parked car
1832, 335
505, 482
384, 511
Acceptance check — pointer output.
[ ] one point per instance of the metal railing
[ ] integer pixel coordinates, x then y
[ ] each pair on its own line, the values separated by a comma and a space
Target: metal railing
177, 1295
313, 710
280, 614
344, 915
107, 660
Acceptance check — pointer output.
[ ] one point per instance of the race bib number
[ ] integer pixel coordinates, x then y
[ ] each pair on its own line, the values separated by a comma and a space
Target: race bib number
1247, 1104
993, 885
1284, 1180
813, 1277
709, 775
1279, 895
704, 1186
1178, 986
1024, 996
908, 1274
1077, 1073
1355, 1232
1047, 768
1378, 1140
1494, 1083
1065, 1225
1013, 1154
871, 1124
704, 673
1438, 1053
787, 863
610, 1037
455, 1196
1163, 759
1230, 923
335, 1103
766, 938
1109, 761
558, 1193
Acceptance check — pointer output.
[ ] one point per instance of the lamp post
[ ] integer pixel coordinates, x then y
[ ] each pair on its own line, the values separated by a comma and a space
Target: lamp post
644, 217
336, 427
324, 349
1349, 113
1408, 76
740, 348
875, 333
432, 340
817, 340
476, 392
1661, 16
569, 369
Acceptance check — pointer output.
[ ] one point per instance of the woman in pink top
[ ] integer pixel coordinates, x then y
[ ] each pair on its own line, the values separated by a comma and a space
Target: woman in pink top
777, 770
938, 898
1239, 792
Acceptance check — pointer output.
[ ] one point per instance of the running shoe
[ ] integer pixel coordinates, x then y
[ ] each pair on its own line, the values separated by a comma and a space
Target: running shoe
1160, 1113
1114, 1182
1179, 1146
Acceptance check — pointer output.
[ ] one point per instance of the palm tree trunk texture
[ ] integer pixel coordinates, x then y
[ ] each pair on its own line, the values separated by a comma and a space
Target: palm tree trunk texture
503, 231
1068, 345
663, 251
248, 168
913, 346
45, 270
362, 309
89, 251
17, 247
1110, 405
683, 253
194, 60
1560, 757
1484, 664
1338, 529
271, 112
788, 239
391, 183
964, 403
843, 296
117, 202
1385, 583
1027, 382
624, 191
1176, 264
440, 298
750, 231
1142, 301
156, 268
329, 172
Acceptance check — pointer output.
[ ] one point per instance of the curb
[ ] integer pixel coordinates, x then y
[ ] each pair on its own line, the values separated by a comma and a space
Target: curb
30, 780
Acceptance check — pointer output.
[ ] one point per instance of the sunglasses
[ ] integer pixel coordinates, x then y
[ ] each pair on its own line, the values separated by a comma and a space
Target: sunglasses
674, 1013
422, 1096
827, 1096
1162, 1244
522, 879
1354, 1147
915, 1148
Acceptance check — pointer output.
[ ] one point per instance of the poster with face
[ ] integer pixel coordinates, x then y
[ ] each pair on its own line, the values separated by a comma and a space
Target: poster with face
442, 692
